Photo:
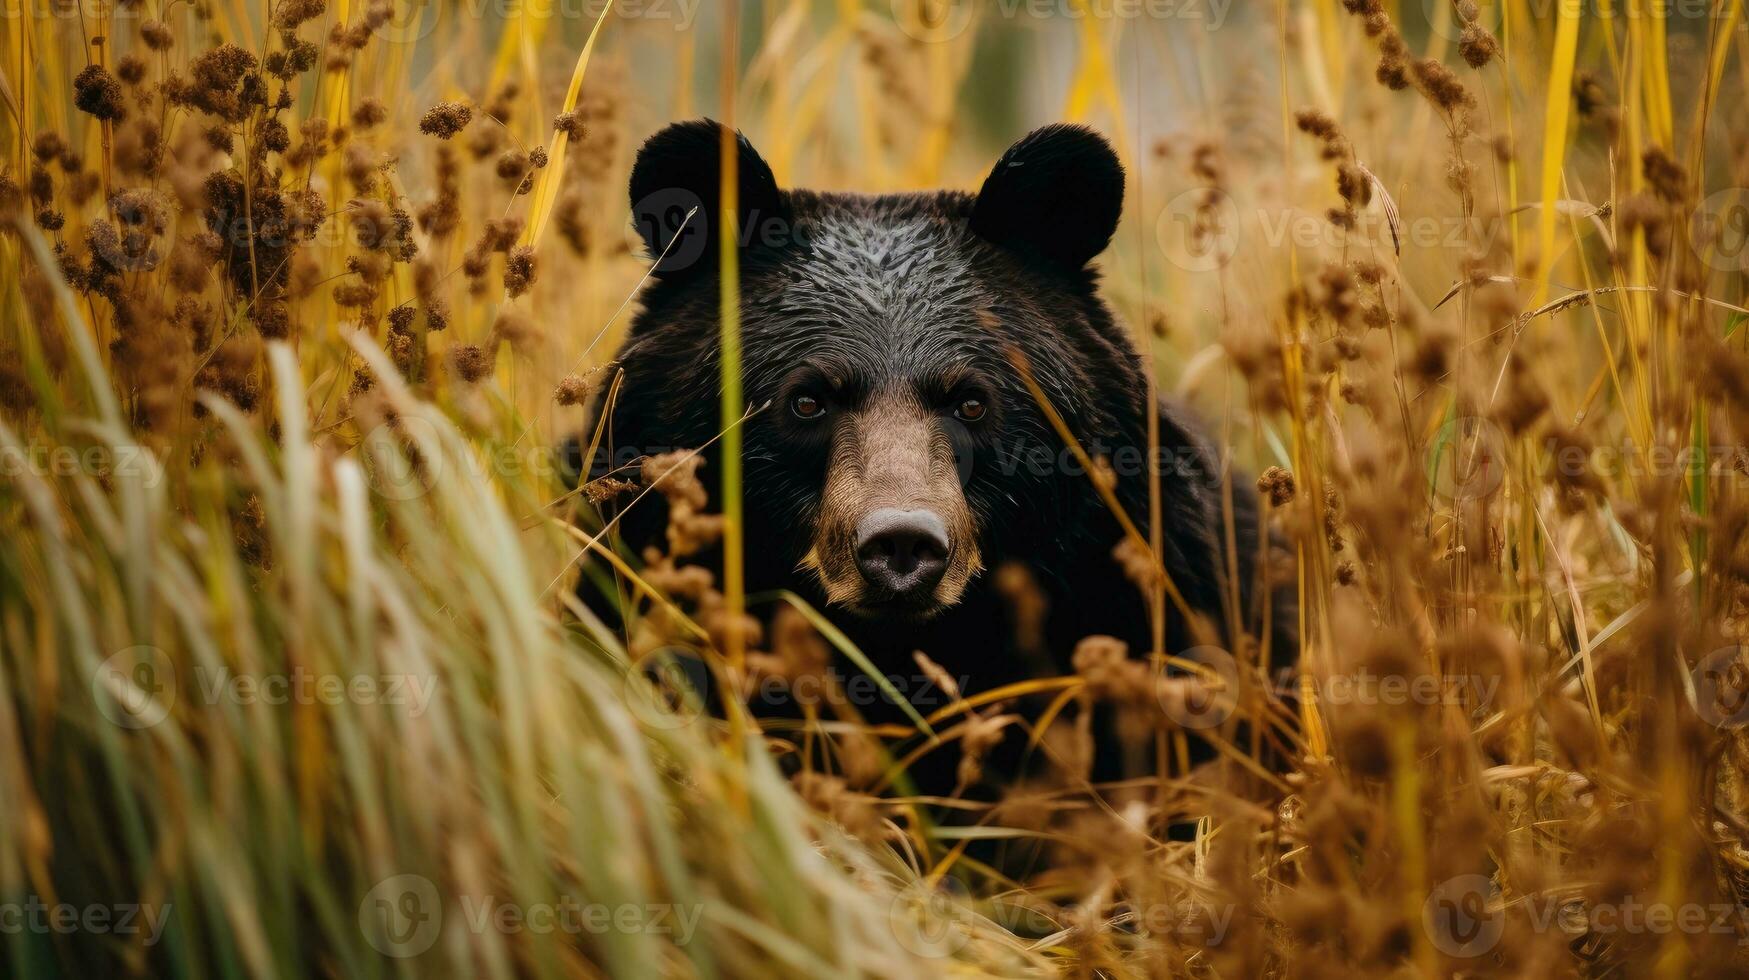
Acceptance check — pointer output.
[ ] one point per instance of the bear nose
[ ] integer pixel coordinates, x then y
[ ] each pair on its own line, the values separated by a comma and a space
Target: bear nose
901, 552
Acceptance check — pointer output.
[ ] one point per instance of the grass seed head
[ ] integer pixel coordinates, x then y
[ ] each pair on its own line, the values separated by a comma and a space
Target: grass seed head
96, 91
446, 119
1477, 46
473, 363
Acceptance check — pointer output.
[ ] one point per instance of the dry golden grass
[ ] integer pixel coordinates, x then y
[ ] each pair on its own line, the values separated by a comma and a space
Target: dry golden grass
296, 297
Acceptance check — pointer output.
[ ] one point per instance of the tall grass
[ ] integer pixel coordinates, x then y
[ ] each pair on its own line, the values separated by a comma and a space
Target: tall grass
289, 654
499, 756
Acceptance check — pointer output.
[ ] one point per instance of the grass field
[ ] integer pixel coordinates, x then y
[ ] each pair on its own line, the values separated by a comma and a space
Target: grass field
298, 298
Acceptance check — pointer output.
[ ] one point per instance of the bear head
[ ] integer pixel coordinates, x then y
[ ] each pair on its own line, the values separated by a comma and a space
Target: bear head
910, 362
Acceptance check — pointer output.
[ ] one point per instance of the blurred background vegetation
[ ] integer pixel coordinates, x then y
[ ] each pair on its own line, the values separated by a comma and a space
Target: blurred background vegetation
297, 298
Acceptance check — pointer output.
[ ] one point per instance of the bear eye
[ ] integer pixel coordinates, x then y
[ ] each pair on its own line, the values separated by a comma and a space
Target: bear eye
969, 410
807, 407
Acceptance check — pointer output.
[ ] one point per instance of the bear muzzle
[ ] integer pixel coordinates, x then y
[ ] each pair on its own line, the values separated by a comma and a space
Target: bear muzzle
894, 537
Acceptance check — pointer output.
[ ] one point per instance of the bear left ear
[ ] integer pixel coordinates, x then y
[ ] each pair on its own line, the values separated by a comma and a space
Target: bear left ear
1056, 195
676, 194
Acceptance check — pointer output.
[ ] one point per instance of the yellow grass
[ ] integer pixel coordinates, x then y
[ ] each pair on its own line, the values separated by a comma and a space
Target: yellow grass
368, 487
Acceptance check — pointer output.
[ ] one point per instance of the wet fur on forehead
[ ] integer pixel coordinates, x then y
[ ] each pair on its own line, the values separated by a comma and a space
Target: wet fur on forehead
897, 286
897, 290
889, 285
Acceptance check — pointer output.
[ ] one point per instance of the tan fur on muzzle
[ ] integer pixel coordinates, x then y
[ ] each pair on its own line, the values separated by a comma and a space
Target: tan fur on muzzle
895, 454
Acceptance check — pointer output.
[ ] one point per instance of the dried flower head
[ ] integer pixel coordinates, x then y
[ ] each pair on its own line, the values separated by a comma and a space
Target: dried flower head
446, 119
571, 124
1277, 486
131, 69
573, 389
369, 112
1477, 46
292, 13
1668, 179
472, 362
95, 91
157, 35
519, 270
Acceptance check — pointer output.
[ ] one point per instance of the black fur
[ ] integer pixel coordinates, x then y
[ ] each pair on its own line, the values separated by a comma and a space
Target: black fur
1056, 195
910, 289
676, 189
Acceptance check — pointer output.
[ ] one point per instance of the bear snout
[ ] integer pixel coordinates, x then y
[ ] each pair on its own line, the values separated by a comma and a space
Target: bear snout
902, 553
894, 536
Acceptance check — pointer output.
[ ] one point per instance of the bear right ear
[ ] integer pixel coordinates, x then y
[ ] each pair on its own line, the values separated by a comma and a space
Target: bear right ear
679, 172
1055, 196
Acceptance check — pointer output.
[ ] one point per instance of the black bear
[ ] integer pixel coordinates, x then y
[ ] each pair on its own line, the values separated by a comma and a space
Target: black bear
899, 456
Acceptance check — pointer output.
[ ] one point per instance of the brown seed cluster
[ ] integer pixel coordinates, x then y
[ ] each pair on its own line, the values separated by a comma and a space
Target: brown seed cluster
198, 235
1477, 46
200, 203
472, 362
1353, 183
574, 389
1398, 69
446, 119
1277, 486
519, 270
97, 92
